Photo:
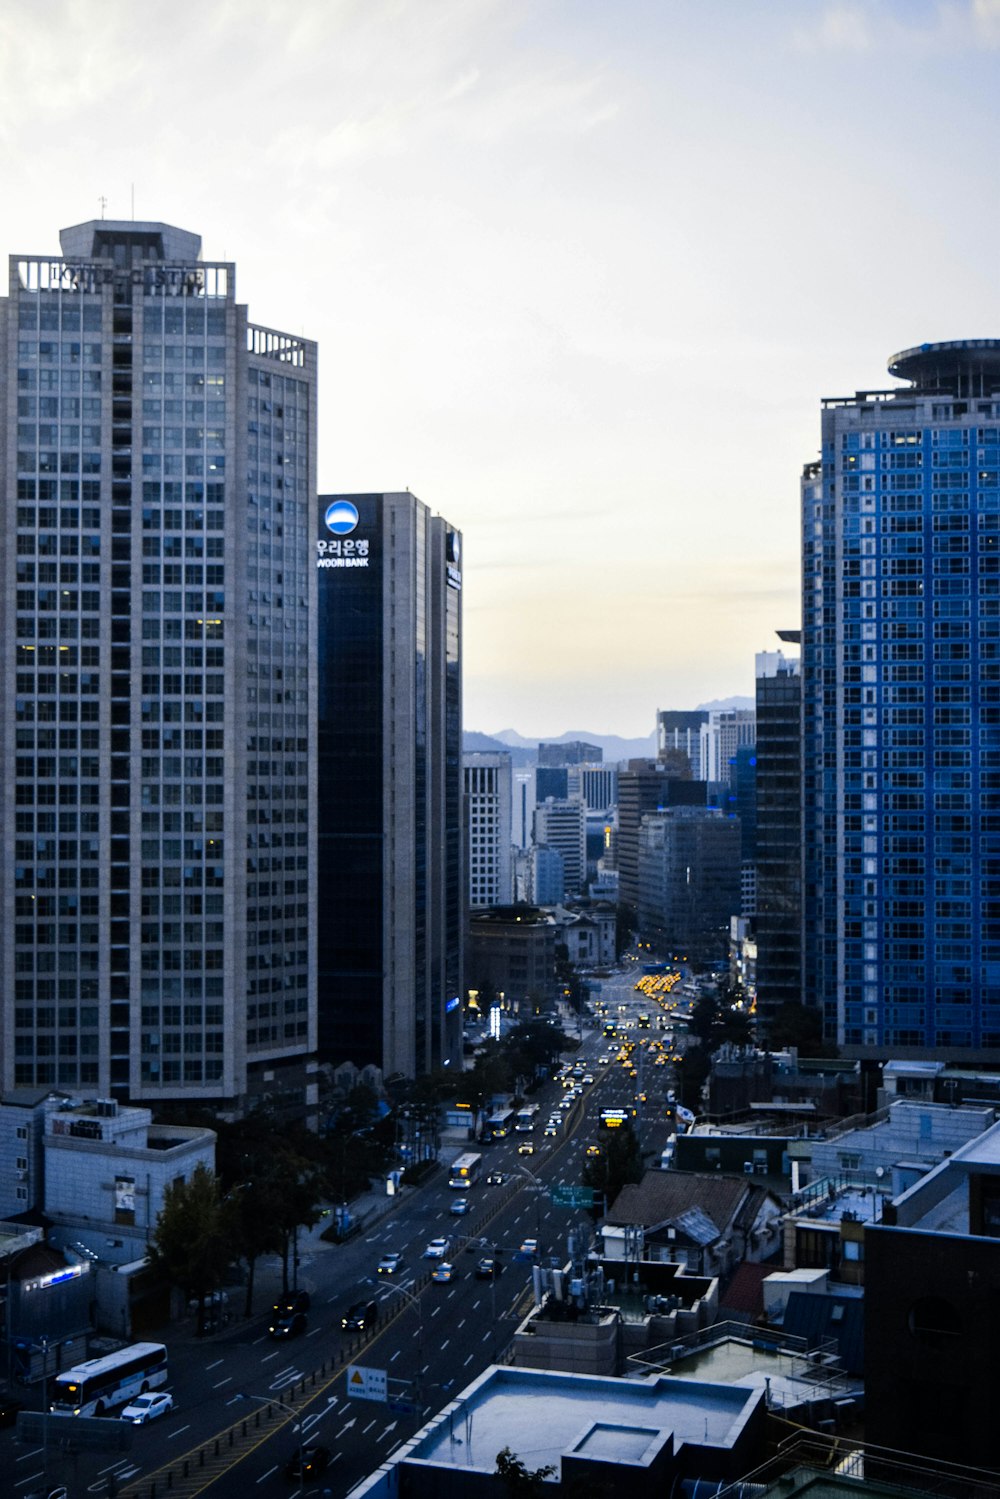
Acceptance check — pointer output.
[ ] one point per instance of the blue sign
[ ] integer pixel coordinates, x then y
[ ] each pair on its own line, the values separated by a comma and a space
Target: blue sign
341, 517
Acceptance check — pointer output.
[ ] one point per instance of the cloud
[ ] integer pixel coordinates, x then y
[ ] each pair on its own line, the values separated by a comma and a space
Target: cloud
927, 27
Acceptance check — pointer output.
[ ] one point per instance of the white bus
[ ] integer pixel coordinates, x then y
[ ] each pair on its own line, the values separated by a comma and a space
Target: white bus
91, 1388
526, 1119
464, 1171
499, 1124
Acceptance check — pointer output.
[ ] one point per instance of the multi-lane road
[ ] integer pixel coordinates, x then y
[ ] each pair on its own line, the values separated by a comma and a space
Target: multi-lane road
432, 1339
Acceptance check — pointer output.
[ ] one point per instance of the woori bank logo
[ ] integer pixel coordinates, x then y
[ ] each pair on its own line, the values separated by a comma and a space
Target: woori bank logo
341, 517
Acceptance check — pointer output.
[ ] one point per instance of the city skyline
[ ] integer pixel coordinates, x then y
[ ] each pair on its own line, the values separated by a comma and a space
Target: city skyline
580, 276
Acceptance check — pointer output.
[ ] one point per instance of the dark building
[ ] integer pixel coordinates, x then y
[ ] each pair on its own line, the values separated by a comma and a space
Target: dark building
390, 888
551, 780
689, 880
646, 786
573, 752
779, 838
512, 951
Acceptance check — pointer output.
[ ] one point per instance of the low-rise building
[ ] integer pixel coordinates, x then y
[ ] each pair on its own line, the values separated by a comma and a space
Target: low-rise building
709, 1223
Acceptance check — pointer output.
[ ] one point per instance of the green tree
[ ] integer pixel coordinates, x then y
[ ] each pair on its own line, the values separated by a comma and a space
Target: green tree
619, 1163
517, 1478
192, 1242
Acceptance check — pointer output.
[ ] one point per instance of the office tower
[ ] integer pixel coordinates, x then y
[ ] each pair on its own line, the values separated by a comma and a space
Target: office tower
572, 752
158, 708
901, 708
679, 729
522, 806
646, 786
391, 855
488, 813
741, 801
689, 880
727, 730
779, 832
548, 877
596, 785
561, 825
551, 780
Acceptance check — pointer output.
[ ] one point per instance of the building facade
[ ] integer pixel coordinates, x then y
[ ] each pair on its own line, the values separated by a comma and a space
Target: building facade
488, 818
901, 709
157, 697
391, 841
678, 730
779, 833
562, 826
646, 786
689, 880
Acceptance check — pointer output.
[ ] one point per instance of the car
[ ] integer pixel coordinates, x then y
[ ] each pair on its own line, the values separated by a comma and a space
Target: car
496, 1179
308, 1461
593, 1150
443, 1272
360, 1316
529, 1247
488, 1268
566, 1103
603, 1061
459, 1207
588, 1077
390, 1264
550, 1129
436, 1249
526, 1148
147, 1407
288, 1326
294, 1301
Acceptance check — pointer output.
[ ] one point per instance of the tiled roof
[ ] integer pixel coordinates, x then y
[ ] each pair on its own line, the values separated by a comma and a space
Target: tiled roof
662, 1196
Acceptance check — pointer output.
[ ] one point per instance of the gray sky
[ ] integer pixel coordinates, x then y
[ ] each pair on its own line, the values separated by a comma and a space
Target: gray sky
580, 272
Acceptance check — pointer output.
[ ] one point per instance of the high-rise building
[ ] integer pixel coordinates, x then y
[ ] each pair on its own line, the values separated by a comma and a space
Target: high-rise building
570, 752
689, 880
901, 708
727, 730
779, 832
488, 814
391, 855
562, 825
597, 785
157, 693
679, 730
646, 786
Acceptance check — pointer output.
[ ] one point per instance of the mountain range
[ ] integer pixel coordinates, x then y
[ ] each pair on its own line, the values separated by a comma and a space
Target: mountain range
524, 751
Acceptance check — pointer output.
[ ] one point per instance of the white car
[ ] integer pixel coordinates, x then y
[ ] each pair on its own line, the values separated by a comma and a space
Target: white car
147, 1407
436, 1249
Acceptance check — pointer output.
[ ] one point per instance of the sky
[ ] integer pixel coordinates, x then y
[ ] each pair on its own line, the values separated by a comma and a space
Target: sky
580, 273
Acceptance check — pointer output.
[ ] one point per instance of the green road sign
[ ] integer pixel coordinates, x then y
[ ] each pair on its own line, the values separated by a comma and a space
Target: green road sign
565, 1196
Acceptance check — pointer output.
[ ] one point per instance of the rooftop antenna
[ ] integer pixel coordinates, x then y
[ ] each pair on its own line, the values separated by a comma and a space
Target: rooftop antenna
104, 203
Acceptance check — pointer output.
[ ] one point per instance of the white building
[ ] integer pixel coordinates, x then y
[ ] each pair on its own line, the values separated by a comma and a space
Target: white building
488, 821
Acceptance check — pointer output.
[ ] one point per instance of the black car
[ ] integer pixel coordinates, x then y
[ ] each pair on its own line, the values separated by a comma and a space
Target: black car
288, 1325
308, 1462
488, 1268
496, 1179
360, 1316
293, 1301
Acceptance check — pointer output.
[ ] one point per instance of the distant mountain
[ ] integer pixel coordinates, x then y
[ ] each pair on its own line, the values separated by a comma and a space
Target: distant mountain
485, 744
614, 746
727, 702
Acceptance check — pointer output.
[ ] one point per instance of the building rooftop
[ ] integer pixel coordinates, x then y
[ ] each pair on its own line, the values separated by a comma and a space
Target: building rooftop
544, 1414
958, 367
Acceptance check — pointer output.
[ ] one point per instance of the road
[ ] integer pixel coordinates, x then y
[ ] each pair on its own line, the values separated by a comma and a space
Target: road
432, 1340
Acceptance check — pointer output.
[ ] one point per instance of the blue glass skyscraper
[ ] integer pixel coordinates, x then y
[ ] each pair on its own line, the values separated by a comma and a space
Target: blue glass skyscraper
901, 709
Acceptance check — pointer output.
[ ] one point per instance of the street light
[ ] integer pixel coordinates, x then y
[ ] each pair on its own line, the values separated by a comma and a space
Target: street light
415, 1301
539, 1190
270, 1400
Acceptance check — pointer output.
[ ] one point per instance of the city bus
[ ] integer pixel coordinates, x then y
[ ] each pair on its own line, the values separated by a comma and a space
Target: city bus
93, 1387
526, 1119
464, 1171
500, 1124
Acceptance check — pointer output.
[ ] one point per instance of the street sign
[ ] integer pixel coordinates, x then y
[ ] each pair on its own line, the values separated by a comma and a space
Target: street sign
566, 1196
367, 1384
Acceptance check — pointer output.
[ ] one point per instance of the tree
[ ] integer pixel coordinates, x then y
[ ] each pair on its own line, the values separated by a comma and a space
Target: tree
192, 1242
619, 1163
517, 1478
